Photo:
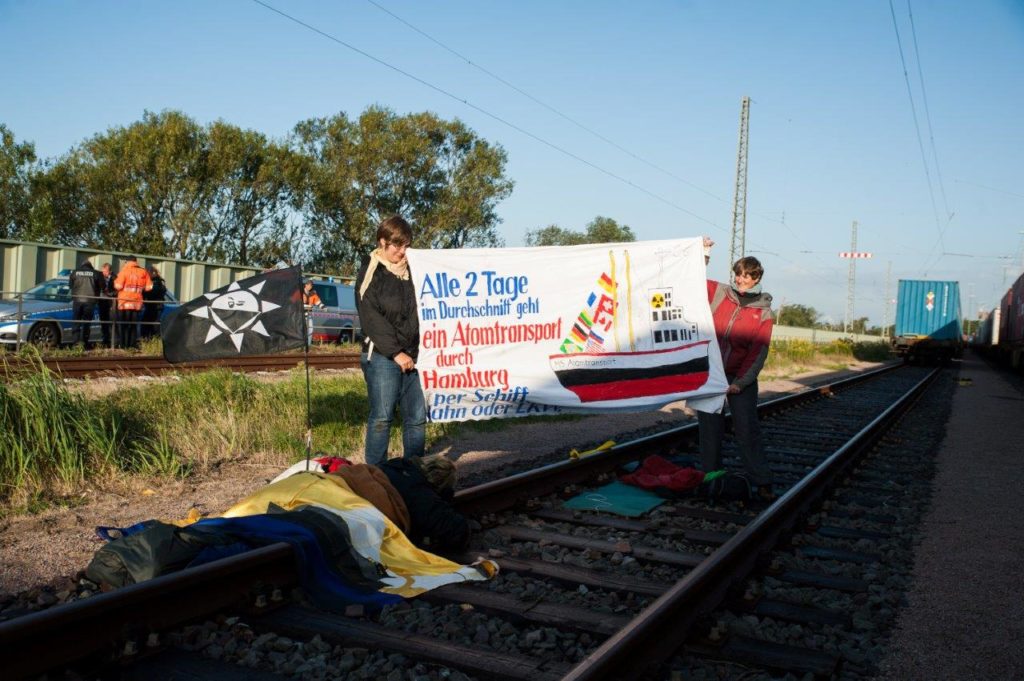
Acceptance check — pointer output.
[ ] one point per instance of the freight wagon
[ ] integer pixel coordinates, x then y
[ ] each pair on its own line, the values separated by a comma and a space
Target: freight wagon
929, 326
986, 338
1011, 325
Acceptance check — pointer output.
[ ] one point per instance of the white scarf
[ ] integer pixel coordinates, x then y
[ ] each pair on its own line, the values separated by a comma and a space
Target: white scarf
400, 269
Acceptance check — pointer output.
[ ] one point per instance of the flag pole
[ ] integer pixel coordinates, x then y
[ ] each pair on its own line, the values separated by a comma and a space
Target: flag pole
309, 401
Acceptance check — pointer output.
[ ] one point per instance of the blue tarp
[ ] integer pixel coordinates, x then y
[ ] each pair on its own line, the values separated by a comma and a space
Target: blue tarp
616, 497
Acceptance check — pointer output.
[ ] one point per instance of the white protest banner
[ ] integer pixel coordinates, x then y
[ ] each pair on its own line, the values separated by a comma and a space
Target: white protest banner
564, 329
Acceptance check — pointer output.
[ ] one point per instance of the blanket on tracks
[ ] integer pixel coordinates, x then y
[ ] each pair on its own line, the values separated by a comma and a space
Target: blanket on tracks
348, 552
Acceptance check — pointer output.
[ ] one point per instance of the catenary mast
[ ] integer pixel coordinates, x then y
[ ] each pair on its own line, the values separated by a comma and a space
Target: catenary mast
737, 247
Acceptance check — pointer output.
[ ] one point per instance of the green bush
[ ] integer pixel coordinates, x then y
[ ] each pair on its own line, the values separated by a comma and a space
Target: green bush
51, 441
877, 351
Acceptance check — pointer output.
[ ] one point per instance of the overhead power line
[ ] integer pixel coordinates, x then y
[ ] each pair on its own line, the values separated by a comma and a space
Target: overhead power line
487, 113
542, 103
826, 280
991, 189
917, 128
928, 116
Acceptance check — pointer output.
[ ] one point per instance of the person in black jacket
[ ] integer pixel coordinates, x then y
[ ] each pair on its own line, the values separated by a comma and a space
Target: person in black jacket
427, 486
153, 304
106, 306
86, 284
386, 303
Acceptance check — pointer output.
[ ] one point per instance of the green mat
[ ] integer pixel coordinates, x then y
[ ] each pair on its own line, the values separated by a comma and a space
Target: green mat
616, 497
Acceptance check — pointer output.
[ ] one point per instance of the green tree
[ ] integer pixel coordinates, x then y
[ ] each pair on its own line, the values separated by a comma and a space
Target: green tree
250, 200
797, 315
61, 205
145, 188
437, 174
16, 168
600, 230
553, 235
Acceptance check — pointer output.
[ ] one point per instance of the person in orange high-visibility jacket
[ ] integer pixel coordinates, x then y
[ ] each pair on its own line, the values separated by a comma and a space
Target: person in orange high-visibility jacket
130, 284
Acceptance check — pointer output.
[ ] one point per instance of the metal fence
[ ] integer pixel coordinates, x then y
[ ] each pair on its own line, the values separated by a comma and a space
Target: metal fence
24, 264
780, 332
49, 321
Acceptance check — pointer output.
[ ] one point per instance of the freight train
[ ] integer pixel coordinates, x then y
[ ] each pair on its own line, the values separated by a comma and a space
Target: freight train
929, 326
1001, 334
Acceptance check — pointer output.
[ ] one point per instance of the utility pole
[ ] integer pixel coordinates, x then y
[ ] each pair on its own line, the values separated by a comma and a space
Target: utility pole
853, 255
885, 307
851, 278
737, 247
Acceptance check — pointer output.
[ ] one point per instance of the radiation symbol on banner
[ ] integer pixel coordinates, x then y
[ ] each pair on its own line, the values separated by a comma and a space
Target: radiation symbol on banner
658, 301
235, 312
929, 301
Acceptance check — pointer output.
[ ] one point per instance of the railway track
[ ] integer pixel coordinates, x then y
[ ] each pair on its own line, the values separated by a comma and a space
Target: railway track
100, 365
581, 595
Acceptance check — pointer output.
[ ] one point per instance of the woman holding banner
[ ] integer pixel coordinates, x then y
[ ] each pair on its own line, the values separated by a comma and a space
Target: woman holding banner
742, 314
386, 303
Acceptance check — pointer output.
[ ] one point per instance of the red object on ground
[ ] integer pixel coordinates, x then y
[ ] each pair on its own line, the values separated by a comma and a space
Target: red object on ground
657, 472
329, 464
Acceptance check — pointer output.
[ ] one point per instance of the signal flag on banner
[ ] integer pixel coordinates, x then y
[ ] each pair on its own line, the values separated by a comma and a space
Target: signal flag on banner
854, 254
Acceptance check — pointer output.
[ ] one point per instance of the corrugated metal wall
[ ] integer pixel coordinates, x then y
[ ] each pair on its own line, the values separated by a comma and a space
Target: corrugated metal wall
928, 308
24, 264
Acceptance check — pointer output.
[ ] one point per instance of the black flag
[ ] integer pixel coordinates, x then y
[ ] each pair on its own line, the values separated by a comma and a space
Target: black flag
254, 316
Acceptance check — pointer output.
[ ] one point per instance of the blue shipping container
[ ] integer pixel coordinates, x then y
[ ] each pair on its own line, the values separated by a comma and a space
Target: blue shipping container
929, 308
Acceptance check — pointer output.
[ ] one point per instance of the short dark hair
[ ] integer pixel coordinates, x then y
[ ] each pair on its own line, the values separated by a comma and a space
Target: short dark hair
749, 265
438, 470
130, 257
395, 230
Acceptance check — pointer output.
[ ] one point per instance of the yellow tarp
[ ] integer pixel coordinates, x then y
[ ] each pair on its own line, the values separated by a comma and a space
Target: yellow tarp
411, 570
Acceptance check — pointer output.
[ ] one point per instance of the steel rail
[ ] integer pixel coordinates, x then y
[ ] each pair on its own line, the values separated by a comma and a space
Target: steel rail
664, 625
80, 367
100, 622
49, 639
506, 492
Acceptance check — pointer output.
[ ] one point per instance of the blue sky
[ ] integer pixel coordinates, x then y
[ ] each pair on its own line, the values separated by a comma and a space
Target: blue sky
832, 125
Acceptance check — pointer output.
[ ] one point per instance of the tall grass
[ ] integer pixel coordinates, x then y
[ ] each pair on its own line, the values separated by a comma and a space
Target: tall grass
788, 357
54, 441
51, 441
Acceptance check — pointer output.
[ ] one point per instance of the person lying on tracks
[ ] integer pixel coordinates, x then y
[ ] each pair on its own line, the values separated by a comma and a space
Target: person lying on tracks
416, 494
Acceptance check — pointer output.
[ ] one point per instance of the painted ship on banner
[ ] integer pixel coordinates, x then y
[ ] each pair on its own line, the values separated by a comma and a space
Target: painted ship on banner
663, 354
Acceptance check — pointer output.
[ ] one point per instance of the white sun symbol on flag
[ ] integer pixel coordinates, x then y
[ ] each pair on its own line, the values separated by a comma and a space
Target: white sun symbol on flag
234, 312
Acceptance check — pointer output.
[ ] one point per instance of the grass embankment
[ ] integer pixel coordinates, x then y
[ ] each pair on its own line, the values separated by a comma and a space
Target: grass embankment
56, 442
792, 357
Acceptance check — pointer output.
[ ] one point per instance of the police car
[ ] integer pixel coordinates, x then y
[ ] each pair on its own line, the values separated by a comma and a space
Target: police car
337, 321
45, 317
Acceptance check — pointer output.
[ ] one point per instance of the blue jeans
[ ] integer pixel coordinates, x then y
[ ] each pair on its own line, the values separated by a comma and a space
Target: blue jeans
743, 407
386, 388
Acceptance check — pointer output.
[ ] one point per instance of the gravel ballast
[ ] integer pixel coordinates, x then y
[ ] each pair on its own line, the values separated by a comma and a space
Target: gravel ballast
42, 552
965, 617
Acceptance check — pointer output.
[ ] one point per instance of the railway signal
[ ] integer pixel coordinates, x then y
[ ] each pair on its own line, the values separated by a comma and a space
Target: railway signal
853, 254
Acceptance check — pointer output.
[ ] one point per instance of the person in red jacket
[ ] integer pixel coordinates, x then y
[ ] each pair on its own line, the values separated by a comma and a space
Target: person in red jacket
742, 313
130, 284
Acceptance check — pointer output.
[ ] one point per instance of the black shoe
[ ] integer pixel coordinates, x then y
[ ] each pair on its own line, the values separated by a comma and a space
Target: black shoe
765, 494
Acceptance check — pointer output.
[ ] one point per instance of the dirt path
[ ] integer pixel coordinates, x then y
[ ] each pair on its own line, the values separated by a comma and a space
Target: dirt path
34, 549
